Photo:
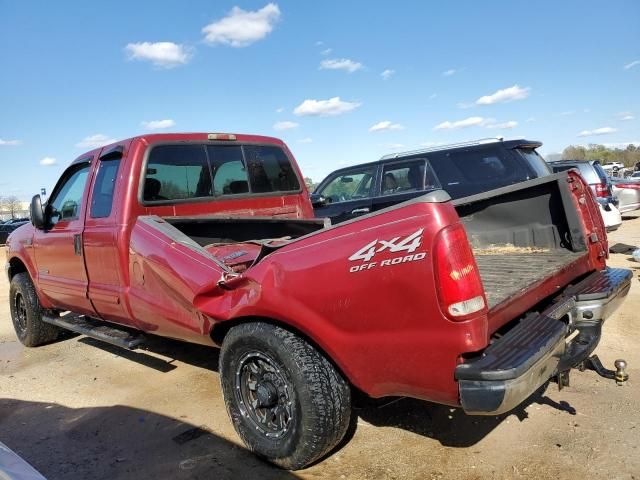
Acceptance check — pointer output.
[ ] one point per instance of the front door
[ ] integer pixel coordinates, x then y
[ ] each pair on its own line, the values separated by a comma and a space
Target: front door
61, 274
347, 194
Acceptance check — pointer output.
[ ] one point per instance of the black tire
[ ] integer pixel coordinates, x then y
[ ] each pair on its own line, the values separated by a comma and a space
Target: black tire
313, 400
26, 313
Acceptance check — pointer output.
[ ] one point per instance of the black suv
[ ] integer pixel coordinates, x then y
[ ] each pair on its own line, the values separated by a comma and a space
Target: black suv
461, 169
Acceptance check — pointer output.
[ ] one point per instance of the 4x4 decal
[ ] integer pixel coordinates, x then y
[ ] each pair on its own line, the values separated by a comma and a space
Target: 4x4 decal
409, 244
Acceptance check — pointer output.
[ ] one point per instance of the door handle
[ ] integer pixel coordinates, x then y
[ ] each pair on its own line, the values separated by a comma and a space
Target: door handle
357, 211
77, 244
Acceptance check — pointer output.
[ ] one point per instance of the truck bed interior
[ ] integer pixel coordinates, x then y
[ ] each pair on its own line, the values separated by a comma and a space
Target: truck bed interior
237, 242
521, 234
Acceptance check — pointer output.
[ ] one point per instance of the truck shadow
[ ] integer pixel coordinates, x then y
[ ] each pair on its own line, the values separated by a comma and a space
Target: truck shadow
449, 426
154, 348
122, 442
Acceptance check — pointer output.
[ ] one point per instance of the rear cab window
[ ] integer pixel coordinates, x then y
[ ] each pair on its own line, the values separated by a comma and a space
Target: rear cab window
199, 171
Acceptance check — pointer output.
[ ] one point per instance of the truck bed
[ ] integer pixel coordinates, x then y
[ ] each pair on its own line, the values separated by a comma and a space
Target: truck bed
505, 274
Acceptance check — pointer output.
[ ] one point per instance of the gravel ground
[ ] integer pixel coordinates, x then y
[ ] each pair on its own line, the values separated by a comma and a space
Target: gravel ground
78, 409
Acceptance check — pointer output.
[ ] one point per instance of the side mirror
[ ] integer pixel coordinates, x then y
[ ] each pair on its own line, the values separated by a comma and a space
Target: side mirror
37, 213
317, 200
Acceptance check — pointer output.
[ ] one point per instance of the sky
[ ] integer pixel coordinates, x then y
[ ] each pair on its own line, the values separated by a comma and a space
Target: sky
340, 82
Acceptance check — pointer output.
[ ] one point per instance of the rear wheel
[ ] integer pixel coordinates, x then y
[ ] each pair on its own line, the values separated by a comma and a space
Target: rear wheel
26, 313
285, 399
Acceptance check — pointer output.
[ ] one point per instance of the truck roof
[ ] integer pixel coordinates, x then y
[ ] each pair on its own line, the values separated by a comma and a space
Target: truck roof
151, 138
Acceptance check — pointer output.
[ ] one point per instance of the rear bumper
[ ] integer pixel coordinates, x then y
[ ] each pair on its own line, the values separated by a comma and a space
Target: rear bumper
518, 363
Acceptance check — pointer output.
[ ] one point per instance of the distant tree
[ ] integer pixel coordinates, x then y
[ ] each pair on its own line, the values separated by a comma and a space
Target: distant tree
11, 205
574, 153
309, 183
629, 156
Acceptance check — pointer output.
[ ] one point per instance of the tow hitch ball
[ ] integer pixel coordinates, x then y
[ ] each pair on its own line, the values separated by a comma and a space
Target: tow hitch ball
620, 374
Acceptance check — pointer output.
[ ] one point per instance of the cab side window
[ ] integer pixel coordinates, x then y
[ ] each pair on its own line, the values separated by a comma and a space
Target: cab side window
102, 197
351, 185
176, 172
66, 201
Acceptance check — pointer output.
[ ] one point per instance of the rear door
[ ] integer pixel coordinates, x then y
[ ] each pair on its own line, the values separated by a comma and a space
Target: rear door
100, 238
348, 194
402, 181
58, 251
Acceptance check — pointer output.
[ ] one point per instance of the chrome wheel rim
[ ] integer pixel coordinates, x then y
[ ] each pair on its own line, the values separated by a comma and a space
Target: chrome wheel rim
264, 395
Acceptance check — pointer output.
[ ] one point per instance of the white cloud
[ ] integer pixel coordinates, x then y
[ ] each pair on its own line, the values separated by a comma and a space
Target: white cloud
448, 73
503, 125
325, 108
340, 64
629, 66
305, 140
387, 74
48, 161
319, 43
467, 122
597, 131
505, 95
326, 51
95, 141
10, 142
465, 105
158, 124
280, 110
531, 119
286, 125
161, 54
241, 28
625, 116
385, 125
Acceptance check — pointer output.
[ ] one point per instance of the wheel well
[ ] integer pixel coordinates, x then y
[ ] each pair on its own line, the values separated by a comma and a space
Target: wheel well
220, 330
16, 266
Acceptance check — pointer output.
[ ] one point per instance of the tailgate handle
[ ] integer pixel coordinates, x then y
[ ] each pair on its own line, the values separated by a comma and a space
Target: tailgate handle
593, 237
77, 244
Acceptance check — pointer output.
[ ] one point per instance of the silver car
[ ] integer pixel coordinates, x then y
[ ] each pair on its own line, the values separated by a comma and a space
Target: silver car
627, 191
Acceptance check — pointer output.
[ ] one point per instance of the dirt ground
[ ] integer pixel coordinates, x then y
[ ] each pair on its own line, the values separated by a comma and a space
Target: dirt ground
79, 409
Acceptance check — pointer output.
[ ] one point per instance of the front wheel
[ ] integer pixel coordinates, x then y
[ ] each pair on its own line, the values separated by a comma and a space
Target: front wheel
287, 402
26, 313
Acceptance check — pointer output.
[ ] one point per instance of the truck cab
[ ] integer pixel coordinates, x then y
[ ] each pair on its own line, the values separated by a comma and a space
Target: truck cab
75, 258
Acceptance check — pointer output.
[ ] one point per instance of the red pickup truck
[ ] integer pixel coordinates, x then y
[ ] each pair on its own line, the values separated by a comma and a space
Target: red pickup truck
210, 238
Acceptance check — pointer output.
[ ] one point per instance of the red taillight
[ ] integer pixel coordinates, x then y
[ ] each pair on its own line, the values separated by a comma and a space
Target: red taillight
457, 277
601, 190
